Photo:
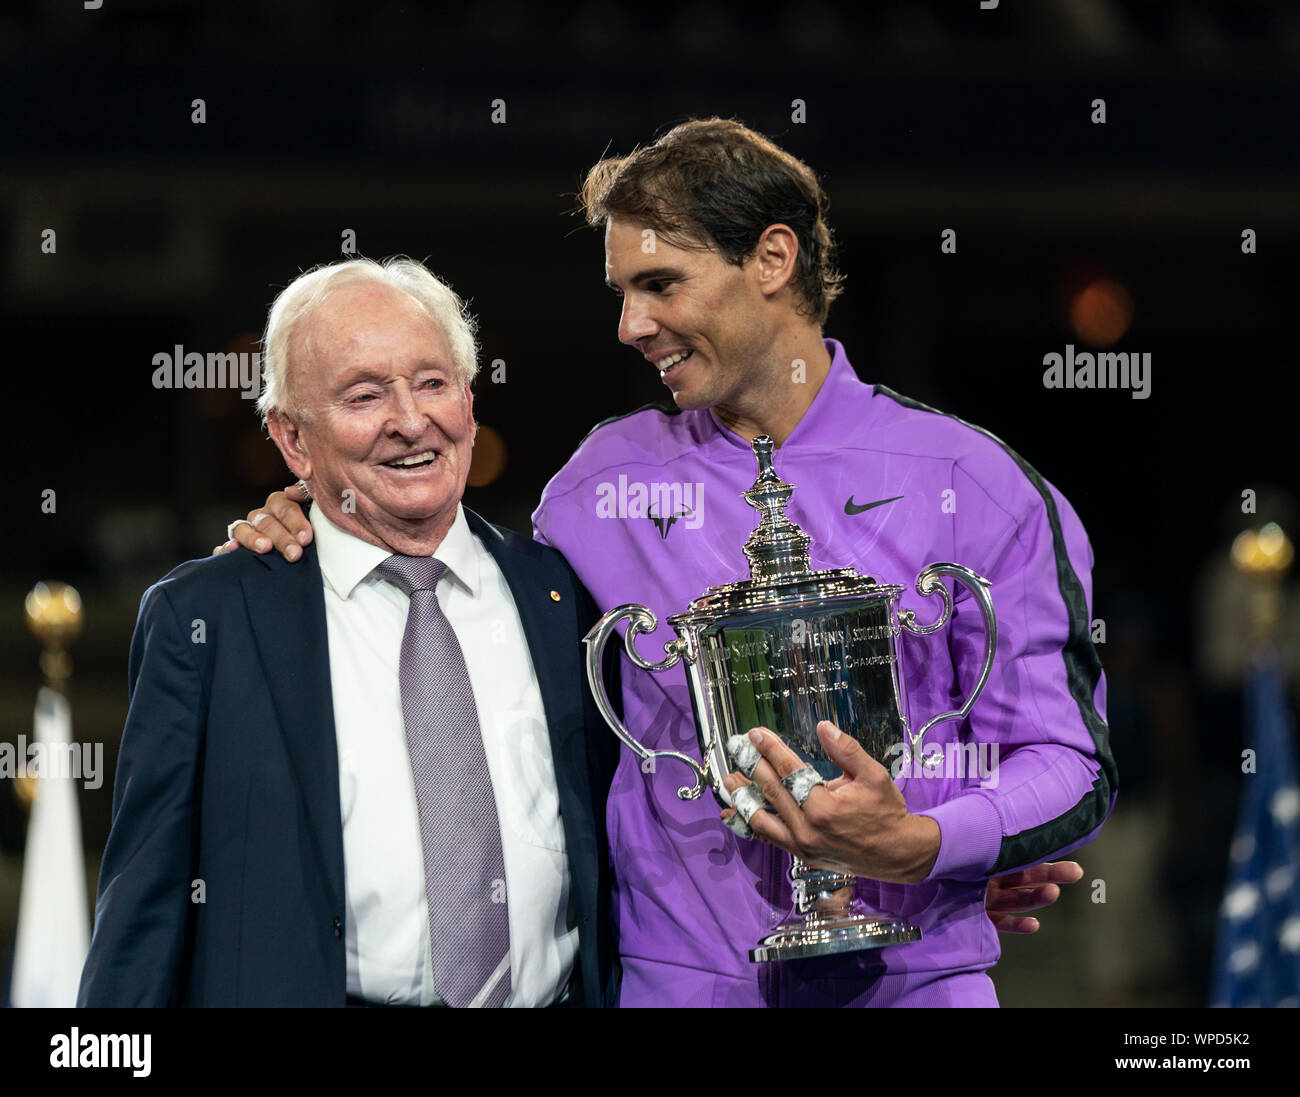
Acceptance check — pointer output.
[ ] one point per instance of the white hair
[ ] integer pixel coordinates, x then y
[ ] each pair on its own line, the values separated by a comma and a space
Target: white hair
303, 294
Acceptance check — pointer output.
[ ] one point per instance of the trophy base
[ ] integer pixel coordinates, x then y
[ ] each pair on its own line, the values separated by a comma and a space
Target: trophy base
799, 938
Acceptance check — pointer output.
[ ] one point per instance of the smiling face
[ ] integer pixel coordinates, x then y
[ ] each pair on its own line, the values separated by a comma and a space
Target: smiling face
705, 324
380, 413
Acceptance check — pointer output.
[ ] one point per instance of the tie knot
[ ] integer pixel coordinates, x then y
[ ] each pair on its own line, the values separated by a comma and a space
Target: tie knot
412, 573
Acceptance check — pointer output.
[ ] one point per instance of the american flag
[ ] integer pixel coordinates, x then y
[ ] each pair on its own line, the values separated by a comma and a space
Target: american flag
1257, 956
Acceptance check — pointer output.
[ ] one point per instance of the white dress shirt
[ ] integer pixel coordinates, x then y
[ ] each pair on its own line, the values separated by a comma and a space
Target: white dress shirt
389, 958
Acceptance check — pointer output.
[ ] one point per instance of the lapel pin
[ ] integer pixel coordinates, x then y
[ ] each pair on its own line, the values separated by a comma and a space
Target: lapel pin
555, 596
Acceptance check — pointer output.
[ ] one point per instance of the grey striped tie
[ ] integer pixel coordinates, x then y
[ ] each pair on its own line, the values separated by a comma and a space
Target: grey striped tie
464, 869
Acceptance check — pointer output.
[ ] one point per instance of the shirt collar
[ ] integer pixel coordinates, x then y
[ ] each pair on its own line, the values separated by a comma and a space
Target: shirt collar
346, 560
834, 398
837, 405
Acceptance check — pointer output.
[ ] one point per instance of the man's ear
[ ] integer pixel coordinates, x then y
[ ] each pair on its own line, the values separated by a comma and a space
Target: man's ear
469, 395
775, 254
287, 435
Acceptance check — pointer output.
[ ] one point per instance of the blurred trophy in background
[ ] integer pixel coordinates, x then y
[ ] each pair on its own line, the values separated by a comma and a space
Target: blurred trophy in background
53, 933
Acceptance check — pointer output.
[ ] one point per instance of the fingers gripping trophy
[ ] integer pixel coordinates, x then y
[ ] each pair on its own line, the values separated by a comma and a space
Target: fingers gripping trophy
784, 649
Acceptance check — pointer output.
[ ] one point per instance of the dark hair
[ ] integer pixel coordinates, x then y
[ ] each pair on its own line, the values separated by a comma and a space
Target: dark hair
715, 182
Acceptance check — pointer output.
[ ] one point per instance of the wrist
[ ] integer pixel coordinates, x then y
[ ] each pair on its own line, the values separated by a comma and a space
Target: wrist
918, 848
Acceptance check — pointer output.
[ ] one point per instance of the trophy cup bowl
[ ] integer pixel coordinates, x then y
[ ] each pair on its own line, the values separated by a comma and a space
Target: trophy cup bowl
784, 649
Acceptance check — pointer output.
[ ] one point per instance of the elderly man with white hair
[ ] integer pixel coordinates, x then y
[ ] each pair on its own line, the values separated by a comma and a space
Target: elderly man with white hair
376, 779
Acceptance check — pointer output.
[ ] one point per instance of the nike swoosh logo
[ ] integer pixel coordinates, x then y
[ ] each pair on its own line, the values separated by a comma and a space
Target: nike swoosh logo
850, 507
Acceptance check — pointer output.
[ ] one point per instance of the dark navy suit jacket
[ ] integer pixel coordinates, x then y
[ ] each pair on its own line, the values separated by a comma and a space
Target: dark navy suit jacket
227, 786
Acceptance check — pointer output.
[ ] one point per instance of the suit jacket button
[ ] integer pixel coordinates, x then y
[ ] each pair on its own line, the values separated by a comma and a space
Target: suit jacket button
338, 927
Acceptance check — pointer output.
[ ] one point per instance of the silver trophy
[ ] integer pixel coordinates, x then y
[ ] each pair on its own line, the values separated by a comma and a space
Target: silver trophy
784, 649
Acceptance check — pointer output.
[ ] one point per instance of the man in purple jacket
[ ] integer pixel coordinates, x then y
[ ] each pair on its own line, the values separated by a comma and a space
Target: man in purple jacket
716, 241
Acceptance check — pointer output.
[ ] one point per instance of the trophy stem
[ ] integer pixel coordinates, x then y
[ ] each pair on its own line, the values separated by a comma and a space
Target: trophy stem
826, 922
817, 893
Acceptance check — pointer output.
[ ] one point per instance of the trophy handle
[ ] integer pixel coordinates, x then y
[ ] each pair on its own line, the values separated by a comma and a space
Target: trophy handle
640, 619
928, 583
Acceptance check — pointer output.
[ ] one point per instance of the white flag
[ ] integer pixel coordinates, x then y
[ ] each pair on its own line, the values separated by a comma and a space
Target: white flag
53, 923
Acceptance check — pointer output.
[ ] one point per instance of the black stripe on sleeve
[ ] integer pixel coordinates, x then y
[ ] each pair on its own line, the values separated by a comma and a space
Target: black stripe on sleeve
664, 408
1083, 671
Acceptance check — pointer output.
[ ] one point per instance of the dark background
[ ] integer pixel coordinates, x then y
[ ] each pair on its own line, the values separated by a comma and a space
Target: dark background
920, 117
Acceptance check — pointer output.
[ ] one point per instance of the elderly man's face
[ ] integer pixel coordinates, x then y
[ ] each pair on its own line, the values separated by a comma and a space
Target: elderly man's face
383, 415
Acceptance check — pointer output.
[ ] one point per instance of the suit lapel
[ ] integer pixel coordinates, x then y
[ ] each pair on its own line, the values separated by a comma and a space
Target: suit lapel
286, 605
558, 665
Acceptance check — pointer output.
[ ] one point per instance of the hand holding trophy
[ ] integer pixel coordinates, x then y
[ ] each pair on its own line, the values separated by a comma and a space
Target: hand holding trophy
856, 824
